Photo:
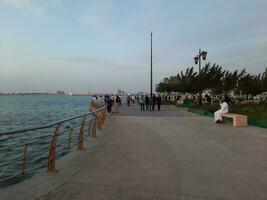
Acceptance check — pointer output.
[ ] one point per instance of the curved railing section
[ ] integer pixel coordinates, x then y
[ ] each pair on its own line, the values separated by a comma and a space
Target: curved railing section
50, 142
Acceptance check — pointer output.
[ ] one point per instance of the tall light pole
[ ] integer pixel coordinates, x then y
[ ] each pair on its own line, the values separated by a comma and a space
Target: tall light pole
151, 82
197, 59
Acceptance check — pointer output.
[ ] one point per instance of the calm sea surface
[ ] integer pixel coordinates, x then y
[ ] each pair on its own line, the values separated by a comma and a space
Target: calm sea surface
19, 112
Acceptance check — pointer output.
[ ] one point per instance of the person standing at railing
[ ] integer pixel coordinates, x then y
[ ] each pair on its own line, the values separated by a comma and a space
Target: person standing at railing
101, 99
109, 104
93, 102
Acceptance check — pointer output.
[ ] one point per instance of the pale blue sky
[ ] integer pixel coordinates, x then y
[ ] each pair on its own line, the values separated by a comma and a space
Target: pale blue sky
103, 45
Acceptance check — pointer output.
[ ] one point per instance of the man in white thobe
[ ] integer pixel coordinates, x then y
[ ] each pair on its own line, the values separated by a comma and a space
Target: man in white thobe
218, 114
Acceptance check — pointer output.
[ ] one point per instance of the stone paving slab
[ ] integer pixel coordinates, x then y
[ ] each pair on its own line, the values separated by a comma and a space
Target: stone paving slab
171, 154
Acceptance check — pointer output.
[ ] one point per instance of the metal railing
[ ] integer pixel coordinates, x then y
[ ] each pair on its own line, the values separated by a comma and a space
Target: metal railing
19, 161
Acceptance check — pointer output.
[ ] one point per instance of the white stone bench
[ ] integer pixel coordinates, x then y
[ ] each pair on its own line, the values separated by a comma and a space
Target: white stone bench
238, 120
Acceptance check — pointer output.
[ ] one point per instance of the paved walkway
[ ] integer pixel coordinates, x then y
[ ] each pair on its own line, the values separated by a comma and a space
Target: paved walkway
167, 155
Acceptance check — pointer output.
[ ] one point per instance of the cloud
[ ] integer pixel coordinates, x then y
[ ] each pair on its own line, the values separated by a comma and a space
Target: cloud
20, 3
93, 22
28, 5
58, 3
100, 63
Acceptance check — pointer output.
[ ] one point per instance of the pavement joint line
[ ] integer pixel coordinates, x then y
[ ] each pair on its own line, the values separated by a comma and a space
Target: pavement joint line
202, 197
122, 189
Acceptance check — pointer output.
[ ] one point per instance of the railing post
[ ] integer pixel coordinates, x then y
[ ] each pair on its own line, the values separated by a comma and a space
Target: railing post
104, 116
80, 144
24, 159
93, 128
98, 117
89, 127
69, 138
52, 152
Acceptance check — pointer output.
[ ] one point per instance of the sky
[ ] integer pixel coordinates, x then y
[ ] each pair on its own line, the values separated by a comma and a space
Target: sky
104, 45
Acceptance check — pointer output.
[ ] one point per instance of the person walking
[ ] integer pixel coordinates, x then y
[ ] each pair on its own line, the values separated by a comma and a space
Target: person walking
133, 99
154, 98
117, 104
128, 100
159, 102
142, 102
109, 104
147, 102
150, 102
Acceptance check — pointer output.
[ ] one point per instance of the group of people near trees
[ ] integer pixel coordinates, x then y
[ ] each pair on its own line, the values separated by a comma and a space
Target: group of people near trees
113, 102
148, 103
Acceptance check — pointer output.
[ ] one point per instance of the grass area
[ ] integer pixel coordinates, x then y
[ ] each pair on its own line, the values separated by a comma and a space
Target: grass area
257, 113
168, 102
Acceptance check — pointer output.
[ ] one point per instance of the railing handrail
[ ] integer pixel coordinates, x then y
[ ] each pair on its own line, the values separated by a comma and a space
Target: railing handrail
92, 120
50, 124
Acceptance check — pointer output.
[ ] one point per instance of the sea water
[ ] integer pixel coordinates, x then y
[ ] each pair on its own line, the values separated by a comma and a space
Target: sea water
20, 112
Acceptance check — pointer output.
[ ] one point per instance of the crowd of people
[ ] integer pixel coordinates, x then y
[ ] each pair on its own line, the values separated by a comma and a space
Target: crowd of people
113, 102
148, 103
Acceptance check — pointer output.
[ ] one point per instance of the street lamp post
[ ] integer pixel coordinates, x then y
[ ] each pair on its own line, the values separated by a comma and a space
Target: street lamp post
151, 84
197, 59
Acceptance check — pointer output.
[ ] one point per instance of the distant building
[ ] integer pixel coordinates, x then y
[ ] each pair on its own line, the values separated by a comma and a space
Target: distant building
60, 92
120, 92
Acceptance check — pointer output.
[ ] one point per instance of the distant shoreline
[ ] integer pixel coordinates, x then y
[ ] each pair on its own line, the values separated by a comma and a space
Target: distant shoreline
42, 94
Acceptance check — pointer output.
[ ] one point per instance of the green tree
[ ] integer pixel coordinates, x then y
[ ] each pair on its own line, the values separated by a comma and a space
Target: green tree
187, 82
214, 78
211, 78
264, 80
250, 84
230, 80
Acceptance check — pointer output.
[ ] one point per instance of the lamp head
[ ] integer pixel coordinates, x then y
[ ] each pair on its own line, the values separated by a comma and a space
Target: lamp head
204, 55
196, 59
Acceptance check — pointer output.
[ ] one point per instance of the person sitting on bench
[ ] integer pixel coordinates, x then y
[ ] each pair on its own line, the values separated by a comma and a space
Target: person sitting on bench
218, 114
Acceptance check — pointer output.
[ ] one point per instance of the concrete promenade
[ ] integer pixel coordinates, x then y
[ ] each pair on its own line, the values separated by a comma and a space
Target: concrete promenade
167, 155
